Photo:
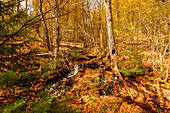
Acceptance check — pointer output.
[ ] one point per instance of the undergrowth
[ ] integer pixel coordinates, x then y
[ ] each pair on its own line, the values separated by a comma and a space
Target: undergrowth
42, 104
12, 78
131, 64
30, 101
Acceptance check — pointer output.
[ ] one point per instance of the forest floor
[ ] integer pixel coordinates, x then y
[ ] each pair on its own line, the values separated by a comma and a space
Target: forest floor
93, 86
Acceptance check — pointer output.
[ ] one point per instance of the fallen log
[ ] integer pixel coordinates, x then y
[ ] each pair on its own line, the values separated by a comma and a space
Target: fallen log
72, 44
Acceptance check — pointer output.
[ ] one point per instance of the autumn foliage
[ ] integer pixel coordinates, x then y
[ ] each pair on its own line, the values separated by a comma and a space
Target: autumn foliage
55, 56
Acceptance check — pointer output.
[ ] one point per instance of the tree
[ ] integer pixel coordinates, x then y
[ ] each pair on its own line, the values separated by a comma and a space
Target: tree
44, 25
57, 31
13, 37
111, 42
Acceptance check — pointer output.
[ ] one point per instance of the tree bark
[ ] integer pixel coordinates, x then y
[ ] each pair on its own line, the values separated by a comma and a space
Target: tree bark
100, 32
56, 33
109, 25
45, 26
26, 3
75, 25
18, 5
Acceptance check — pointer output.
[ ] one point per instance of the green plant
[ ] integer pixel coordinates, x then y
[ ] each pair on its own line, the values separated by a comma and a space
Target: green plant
43, 104
13, 38
133, 71
132, 65
16, 107
11, 77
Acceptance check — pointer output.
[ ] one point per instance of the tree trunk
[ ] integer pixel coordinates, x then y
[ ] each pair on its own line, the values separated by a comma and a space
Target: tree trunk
75, 25
56, 33
109, 25
99, 26
26, 3
45, 27
18, 6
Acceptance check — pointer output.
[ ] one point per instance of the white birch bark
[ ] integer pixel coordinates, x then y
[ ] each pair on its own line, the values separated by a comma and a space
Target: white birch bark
109, 25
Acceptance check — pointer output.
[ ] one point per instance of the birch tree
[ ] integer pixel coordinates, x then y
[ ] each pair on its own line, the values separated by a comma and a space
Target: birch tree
109, 25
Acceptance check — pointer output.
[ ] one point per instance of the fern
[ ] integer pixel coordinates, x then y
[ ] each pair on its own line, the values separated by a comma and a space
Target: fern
45, 104
134, 71
133, 65
11, 77
16, 107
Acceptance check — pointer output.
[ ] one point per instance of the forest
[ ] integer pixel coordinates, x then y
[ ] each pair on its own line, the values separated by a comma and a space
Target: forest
84, 56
